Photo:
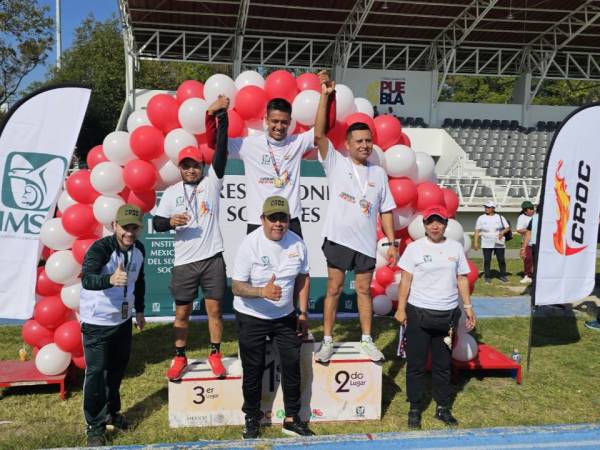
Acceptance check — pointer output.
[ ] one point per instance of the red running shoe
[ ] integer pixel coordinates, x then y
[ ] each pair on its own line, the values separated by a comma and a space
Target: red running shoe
216, 365
178, 366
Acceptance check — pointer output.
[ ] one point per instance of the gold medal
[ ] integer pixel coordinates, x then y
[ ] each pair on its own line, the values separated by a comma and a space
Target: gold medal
277, 182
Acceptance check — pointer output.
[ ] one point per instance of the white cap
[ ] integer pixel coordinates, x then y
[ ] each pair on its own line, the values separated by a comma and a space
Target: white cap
490, 205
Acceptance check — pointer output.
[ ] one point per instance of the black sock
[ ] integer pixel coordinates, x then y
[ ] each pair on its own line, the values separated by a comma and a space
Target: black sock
215, 348
179, 351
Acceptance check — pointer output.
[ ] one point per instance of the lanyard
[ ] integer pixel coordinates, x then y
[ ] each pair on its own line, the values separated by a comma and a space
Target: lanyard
273, 160
127, 260
190, 201
363, 186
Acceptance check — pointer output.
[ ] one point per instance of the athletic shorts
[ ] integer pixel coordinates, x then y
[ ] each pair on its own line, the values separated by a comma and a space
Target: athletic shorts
209, 274
343, 258
294, 226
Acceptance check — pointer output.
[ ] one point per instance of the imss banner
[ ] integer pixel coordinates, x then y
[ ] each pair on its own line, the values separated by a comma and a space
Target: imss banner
568, 224
37, 140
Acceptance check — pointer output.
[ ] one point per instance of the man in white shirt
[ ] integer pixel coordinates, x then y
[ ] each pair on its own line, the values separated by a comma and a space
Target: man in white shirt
359, 192
527, 210
270, 277
491, 227
191, 208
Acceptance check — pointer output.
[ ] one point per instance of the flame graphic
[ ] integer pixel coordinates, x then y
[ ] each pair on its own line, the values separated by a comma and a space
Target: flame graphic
563, 203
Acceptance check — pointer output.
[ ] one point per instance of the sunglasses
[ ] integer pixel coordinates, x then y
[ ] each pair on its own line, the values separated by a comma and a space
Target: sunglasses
278, 217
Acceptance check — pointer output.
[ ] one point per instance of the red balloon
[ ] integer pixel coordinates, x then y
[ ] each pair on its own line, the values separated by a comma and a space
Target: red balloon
139, 175
80, 248
50, 312
308, 81
251, 103
147, 142
125, 193
189, 89
388, 130
376, 289
68, 337
201, 139
162, 111
281, 84
361, 117
429, 194
384, 276
78, 220
404, 139
79, 187
236, 124
451, 201
473, 275
207, 154
337, 135
79, 361
403, 190
95, 156
44, 285
144, 199
46, 252
35, 334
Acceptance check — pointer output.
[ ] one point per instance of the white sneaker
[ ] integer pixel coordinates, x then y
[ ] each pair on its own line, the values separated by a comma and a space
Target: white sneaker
525, 280
369, 349
325, 352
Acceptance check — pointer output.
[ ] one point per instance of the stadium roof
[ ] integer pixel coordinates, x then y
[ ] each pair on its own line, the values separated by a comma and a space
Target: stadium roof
556, 39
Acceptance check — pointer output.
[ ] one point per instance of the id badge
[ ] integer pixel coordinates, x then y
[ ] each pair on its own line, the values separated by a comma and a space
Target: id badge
124, 310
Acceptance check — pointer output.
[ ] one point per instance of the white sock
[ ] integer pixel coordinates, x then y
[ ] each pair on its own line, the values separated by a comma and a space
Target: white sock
366, 338
328, 339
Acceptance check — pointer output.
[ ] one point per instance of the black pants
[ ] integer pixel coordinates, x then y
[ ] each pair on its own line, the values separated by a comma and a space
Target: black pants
294, 226
487, 260
418, 343
252, 333
106, 350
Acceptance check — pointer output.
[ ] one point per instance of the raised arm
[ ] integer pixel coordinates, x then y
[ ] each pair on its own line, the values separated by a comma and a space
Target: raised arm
321, 126
220, 159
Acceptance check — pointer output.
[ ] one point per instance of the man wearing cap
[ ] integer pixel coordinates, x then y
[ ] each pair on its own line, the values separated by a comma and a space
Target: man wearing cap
523, 220
270, 280
191, 208
112, 286
491, 227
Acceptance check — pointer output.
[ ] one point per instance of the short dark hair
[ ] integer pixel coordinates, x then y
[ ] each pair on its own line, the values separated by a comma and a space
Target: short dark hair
279, 104
357, 126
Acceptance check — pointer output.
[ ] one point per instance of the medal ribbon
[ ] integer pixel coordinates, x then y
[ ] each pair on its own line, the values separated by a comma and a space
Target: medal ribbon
273, 160
362, 187
191, 203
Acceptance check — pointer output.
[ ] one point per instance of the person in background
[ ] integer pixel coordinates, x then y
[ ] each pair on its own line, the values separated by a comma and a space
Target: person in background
375, 111
527, 210
491, 228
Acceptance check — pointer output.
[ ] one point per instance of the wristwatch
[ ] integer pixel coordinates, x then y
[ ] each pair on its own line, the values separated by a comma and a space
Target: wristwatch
300, 312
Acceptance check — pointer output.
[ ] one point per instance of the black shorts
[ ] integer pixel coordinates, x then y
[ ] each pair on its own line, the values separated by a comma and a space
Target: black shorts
344, 258
294, 226
209, 274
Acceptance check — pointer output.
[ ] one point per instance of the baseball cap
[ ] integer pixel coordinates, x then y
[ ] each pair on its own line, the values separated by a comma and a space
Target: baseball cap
190, 152
439, 211
129, 215
526, 205
490, 205
276, 204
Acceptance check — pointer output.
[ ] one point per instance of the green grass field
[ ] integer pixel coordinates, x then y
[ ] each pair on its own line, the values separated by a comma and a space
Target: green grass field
560, 388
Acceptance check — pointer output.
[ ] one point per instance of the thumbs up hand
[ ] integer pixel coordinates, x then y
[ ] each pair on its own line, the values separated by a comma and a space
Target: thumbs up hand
119, 277
271, 290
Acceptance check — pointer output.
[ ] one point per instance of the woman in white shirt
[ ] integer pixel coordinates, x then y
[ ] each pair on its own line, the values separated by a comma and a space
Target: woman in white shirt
434, 273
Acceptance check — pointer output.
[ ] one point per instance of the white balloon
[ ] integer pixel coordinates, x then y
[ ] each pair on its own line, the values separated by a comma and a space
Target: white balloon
107, 178
62, 266
169, 174
51, 360
344, 102
160, 161
220, 84
380, 260
425, 167
249, 78
392, 290
70, 294
377, 157
304, 107
400, 161
191, 115
178, 139
466, 242
137, 119
402, 217
105, 208
107, 231
54, 236
454, 230
382, 305
465, 348
416, 229
364, 106
116, 147
65, 200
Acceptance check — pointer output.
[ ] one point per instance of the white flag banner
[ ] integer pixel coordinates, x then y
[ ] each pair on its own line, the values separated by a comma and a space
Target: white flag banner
37, 140
568, 224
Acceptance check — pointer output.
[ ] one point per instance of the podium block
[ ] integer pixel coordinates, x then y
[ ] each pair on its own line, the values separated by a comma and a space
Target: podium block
348, 388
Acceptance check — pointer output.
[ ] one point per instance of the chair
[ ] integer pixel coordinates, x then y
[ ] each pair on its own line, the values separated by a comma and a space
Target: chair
476, 123
410, 121
419, 122
514, 125
457, 123
541, 125
504, 124
495, 124
467, 123
485, 123
447, 123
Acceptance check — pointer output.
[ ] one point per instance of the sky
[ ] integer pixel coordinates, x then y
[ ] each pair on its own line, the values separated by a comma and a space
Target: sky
72, 14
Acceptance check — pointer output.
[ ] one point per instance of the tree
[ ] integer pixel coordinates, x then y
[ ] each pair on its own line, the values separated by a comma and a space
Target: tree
25, 40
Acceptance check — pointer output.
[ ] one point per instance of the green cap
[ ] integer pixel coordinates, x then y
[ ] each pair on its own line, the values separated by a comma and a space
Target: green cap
276, 204
526, 205
129, 215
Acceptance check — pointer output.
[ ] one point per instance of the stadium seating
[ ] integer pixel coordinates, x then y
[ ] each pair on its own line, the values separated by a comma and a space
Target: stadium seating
413, 122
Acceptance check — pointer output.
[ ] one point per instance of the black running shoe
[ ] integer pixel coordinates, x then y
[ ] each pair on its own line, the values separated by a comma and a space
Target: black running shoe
296, 428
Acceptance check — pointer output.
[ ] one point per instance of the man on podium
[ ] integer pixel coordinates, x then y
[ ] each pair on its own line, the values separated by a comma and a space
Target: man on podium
270, 276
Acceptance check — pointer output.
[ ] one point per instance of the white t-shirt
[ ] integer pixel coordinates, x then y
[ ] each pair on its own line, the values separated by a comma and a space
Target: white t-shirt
523, 221
201, 237
434, 268
489, 227
257, 259
262, 180
352, 216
